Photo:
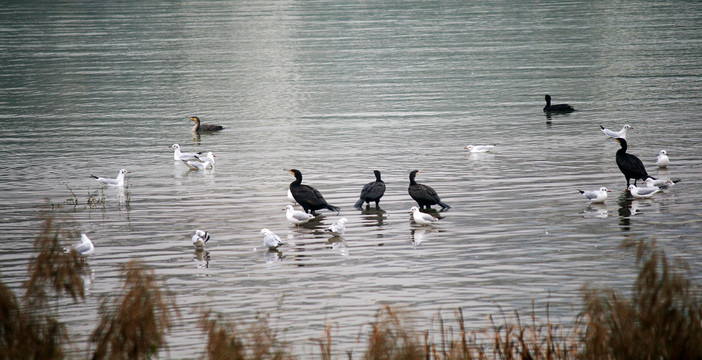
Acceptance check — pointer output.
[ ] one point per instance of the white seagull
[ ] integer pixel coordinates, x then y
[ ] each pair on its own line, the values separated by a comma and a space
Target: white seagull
422, 218
479, 148
208, 163
119, 181
661, 183
596, 196
270, 239
663, 160
177, 155
297, 217
616, 134
200, 238
84, 248
338, 228
642, 192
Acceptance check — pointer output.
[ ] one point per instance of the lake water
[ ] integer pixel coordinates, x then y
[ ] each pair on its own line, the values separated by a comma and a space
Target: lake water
338, 89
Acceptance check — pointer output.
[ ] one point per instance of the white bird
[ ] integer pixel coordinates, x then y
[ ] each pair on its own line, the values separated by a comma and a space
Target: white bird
422, 218
616, 134
663, 160
596, 196
200, 238
297, 217
338, 228
479, 148
661, 183
177, 155
119, 181
270, 239
208, 163
84, 248
642, 192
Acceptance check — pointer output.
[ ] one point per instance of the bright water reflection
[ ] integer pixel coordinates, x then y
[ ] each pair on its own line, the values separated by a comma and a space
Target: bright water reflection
337, 91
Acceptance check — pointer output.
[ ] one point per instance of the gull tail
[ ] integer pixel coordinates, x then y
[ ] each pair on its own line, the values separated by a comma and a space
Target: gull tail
443, 205
358, 203
93, 176
601, 127
676, 180
333, 208
582, 192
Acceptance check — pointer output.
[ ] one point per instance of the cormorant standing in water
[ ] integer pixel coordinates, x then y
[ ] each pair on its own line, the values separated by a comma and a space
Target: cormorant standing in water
308, 197
556, 108
204, 127
424, 195
372, 191
630, 165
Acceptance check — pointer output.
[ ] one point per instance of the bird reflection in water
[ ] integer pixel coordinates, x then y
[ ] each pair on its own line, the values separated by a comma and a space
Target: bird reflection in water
338, 244
201, 258
373, 217
597, 210
272, 256
421, 235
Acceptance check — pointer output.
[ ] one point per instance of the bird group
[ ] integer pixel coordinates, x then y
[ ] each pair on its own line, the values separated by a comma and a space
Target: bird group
632, 168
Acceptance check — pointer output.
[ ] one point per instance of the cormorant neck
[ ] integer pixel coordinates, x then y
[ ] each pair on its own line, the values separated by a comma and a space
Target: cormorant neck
412, 182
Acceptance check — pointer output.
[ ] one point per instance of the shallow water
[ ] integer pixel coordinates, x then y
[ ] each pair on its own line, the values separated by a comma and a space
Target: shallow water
337, 91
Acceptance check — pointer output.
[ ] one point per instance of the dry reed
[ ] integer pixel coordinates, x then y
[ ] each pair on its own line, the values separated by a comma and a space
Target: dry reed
134, 324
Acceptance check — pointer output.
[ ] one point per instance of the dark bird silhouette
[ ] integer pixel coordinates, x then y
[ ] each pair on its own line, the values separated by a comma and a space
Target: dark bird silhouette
556, 108
630, 165
308, 197
372, 191
424, 195
204, 127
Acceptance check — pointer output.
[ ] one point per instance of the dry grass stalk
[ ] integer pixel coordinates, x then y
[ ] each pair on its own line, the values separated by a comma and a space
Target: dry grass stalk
134, 324
226, 341
661, 320
392, 337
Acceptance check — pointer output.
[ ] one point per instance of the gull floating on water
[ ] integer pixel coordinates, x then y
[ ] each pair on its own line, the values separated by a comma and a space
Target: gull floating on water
119, 181
84, 248
200, 238
422, 218
338, 228
616, 134
183, 156
208, 163
479, 148
663, 160
596, 196
297, 217
270, 239
643, 192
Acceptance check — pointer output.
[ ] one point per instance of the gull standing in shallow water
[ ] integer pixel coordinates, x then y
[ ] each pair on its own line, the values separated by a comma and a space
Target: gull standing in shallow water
662, 160
596, 196
208, 163
338, 228
297, 217
642, 192
200, 238
183, 156
616, 134
119, 181
422, 218
479, 148
270, 239
84, 248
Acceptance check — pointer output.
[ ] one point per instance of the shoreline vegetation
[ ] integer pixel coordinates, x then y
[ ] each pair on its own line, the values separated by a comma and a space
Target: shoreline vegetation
660, 319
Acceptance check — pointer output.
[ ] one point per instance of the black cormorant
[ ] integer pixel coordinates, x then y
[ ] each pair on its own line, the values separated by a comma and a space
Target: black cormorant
308, 197
204, 127
556, 108
372, 191
630, 165
424, 195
